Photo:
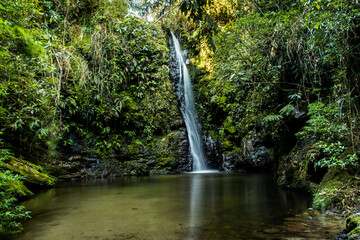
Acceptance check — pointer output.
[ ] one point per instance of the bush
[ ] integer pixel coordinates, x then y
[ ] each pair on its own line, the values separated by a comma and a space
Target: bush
11, 214
332, 137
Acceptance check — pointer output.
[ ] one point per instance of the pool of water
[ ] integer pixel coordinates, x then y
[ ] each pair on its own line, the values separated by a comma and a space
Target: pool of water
189, 206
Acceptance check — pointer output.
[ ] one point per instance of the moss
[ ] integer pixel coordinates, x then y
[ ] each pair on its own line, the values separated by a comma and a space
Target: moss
327, 198
165, 161
33, 174
333, 176
12, 184
293, 170
233, 150
332, 193
134, 168
334, 189
353, 225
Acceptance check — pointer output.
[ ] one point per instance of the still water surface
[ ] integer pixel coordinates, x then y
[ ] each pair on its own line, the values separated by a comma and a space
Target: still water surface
190, 206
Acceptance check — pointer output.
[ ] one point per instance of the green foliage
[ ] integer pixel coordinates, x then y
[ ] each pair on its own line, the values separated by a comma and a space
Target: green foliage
272, 63
271, 118
32, 173
11, 187
10, 213
195, 8
287, 110
26, 91
324, 120
331, 134
353, 226
328, 197
124, 92
77, 76
243, 84
338, 191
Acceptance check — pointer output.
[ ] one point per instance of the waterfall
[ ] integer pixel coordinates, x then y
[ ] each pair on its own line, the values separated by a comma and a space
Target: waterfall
185, 95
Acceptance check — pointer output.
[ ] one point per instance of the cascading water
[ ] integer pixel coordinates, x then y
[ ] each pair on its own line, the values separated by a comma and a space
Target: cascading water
185, 94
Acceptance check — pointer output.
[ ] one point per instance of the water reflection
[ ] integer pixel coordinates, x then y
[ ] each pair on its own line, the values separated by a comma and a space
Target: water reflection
226, 205
192, 206
197, 204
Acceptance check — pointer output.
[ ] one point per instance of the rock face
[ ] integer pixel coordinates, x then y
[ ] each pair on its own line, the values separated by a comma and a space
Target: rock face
251, 156
183, 154
182, 142
213, 152
297, 171
256, 159
167, 154
172, 152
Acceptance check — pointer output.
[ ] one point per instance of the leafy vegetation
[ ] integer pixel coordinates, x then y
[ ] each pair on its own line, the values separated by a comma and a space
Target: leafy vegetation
283, 72
88, 80
272, 63
10, 213
78, 78
15, 174
327, 126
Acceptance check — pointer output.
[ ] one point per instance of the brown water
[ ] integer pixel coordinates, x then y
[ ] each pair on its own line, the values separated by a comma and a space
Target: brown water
190, 206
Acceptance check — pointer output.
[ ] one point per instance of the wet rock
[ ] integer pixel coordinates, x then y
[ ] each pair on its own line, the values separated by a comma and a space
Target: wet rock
254, 152
297, 171
213, 152
183, 151
231, 162
259, 157
342, 236
175, 75
92, 162
251, 156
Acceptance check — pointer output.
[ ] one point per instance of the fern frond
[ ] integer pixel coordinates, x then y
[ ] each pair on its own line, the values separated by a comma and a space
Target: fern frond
271, 118
287, 110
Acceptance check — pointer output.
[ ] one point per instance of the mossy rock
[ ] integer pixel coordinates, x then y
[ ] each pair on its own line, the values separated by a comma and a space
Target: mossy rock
135, 168
165, 161
292, 173
331, 192
33, 174
296, 170
353, 226
328, 198
12, 184
335, 175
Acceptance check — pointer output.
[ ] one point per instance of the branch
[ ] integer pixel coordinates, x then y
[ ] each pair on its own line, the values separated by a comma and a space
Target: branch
257, 7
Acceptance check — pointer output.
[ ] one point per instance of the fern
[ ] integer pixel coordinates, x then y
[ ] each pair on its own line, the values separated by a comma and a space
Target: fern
272, 118
287, 110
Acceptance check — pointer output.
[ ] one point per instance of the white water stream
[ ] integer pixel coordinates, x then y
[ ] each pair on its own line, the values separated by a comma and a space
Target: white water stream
189, 112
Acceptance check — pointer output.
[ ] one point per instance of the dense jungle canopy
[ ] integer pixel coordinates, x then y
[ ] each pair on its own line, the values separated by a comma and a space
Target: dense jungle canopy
89, 79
